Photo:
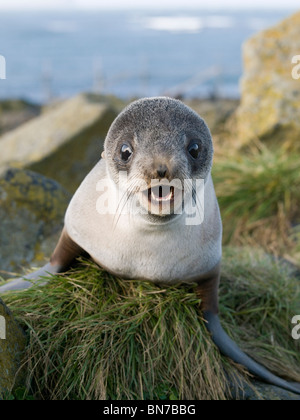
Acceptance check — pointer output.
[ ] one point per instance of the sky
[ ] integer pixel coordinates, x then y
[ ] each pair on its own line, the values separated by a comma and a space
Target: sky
149, 4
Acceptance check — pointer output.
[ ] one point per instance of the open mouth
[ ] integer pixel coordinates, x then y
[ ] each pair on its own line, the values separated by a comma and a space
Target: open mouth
160, 194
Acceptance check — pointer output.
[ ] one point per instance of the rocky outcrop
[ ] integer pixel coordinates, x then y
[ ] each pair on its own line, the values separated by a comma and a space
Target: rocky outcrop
16, 112
12, 346
259, 391
270, 104
63, 143
214, 112
32, 209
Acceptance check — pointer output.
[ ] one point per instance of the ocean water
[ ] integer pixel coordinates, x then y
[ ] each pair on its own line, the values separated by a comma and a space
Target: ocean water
132, 53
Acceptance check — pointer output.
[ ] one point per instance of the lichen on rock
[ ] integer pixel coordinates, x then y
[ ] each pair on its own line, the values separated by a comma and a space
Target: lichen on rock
63, 143
270, 96
32, 209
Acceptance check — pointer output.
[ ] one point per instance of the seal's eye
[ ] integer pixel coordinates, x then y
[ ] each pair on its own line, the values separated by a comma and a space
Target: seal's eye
194, 150
126, 152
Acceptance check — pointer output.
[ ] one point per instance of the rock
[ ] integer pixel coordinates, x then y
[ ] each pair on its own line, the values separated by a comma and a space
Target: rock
63, 143
214, 112
15, 112
12, 345
32, 209
255, 390
266, 392
270, 103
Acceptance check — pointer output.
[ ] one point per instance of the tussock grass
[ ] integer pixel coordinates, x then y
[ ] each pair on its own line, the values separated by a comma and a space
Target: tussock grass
259, 295
92, 336
259, 196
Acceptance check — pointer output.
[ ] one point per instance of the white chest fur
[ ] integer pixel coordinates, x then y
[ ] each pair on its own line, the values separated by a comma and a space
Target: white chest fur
131, 248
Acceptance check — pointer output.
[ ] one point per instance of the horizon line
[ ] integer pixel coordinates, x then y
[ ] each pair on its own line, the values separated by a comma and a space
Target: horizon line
229, 7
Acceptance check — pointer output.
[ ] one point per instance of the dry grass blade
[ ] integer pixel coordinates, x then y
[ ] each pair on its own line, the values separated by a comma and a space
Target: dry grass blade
93, 336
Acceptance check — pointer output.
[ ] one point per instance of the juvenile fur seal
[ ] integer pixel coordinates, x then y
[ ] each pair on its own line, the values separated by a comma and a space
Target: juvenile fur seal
133, 236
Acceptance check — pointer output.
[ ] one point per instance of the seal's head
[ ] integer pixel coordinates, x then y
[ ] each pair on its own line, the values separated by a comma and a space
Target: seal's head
159, 143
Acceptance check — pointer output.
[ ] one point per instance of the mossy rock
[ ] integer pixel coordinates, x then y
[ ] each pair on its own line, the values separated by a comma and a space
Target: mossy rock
266, 392
63, 143
32, 209
14, 112
270, 104
12, 346
215, 112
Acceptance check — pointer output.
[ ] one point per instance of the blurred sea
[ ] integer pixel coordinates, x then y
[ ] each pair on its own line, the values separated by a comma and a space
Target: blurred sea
132, 53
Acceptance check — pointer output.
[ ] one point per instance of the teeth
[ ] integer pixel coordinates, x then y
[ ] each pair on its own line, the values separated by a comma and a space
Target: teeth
159, 199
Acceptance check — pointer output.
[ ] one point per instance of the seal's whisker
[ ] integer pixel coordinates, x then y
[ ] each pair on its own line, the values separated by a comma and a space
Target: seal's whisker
191, 195
126, 198
123, 200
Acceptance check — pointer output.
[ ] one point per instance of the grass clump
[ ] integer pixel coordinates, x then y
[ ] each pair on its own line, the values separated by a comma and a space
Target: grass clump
93, 336
259, 197
259, 295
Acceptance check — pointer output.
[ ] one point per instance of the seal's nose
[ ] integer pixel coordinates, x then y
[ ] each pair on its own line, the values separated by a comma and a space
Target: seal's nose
162, 171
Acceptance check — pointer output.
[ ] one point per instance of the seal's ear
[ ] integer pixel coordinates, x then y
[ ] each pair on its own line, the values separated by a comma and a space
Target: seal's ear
103, 155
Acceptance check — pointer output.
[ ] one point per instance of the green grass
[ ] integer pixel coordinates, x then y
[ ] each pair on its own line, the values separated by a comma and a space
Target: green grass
259, 196
259, 296
92, 336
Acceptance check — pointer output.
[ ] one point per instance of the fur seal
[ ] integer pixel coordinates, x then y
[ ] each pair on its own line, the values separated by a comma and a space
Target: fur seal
139, 215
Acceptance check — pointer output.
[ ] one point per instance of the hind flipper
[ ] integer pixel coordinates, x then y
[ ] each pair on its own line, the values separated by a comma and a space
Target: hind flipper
208, 293
230, 349
65, 253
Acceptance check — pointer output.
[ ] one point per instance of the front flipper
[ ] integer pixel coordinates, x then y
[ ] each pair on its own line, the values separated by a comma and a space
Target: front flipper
29, 280
65, 253
208, 293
